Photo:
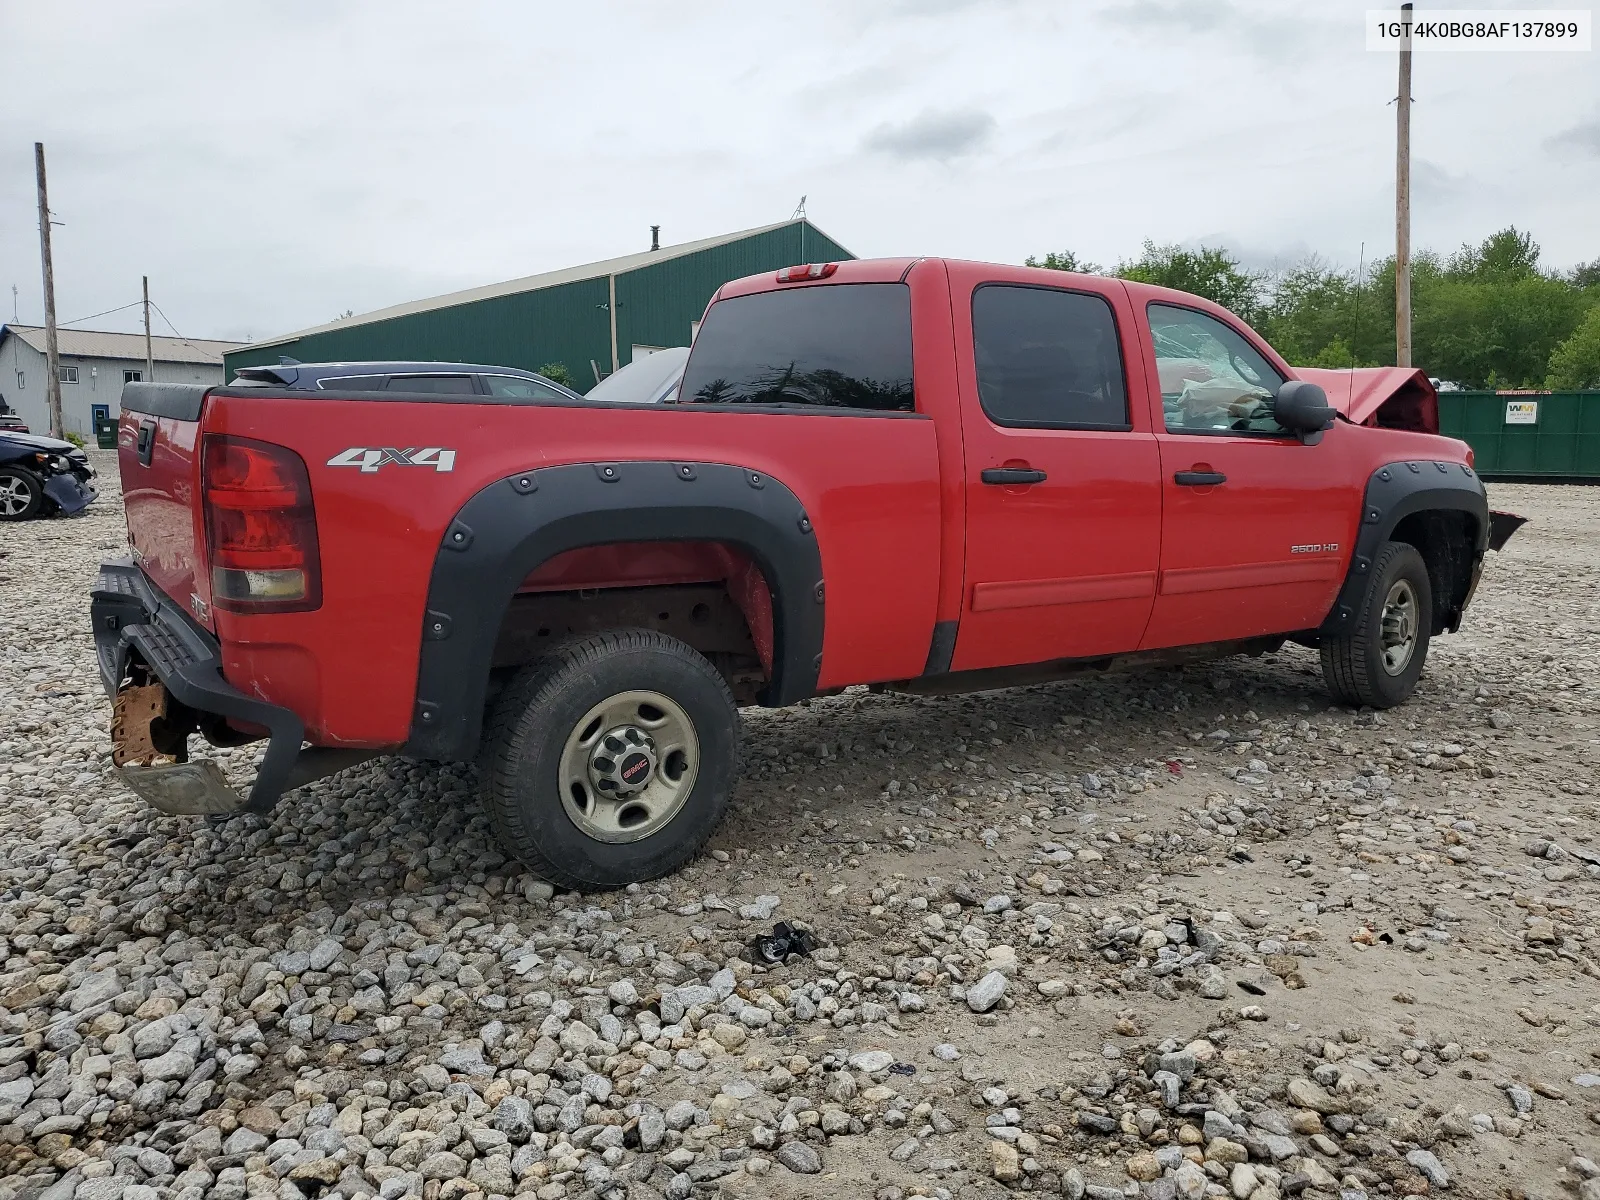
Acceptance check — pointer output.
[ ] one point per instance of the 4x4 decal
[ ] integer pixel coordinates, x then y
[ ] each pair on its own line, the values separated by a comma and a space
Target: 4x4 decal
369, 460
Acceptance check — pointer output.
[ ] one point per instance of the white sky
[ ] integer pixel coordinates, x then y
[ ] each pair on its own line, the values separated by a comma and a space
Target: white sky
270, 163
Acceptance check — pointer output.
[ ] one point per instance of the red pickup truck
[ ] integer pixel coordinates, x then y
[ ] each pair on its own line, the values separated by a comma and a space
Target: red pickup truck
929, 475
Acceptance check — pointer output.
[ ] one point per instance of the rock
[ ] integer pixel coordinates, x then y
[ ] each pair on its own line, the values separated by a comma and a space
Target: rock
799, 1158
871, 1061
759, 909
681, 1115
652, 1128
175, 1064
986, 992
1004, 1162
1180, 1063
325, 1171
1190, 1181
513, 1117
1143, 1167
1226, 1151
1431, 1168
442, 1165
96, 988
1521, 1098
623, 992
1540, 930
1307, 1094
242, 1142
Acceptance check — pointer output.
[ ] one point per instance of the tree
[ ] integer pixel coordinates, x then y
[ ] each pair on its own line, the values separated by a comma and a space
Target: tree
1207, 272
557, 372
1585, 275
1487, 315
1064, 260
1575, 363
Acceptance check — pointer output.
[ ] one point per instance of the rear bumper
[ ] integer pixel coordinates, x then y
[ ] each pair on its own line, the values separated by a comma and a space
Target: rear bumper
132, 617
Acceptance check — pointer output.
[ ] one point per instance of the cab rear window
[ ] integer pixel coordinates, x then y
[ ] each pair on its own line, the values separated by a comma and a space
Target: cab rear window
845, 345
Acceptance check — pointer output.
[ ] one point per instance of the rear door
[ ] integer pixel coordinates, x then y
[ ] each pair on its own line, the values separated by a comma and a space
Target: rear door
1255, 524
1062, 478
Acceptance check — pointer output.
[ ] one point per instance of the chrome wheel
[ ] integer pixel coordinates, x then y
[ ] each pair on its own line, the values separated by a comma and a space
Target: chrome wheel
1399, 626
628, 766
15, 495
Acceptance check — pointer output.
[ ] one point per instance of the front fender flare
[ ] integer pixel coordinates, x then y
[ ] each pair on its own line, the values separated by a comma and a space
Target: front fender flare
513, 525
1395, 491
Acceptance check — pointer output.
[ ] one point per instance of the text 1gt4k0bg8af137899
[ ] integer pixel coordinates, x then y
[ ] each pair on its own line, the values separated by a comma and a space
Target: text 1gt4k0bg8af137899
930, 475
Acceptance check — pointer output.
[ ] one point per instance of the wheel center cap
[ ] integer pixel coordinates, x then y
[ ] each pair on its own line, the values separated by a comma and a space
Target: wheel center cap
635, 769
623, 761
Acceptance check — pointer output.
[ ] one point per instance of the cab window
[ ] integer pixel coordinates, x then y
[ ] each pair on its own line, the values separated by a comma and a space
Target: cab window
1212, 379
1047, 359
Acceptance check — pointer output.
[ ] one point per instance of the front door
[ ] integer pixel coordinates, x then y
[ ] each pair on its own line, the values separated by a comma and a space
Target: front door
1256, 526
1062, 481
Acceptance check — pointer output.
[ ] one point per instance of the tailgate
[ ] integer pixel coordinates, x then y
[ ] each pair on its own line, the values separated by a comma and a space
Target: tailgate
158, 453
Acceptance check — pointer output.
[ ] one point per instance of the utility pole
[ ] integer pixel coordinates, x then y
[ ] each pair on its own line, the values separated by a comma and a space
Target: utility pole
149, 354
1402, 201
52, 353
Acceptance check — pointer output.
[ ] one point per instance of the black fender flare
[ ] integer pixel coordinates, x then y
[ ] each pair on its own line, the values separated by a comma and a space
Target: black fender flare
1395, 491
513, 525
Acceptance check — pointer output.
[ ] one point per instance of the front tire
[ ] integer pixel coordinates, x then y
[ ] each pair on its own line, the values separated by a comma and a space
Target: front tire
21, 494
1378, 662
610, 760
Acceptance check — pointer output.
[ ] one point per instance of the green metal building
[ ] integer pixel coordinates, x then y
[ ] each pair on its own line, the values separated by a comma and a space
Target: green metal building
589, 318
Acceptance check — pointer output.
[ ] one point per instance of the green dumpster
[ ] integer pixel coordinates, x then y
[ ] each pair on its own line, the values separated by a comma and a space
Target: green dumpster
1537, 435
105, 433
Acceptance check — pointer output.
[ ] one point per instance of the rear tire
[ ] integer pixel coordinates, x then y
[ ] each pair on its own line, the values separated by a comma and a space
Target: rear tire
21, 494
1377, 663
610, 760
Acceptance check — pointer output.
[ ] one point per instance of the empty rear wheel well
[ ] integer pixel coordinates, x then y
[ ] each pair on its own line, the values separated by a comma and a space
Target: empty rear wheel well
722, 607
1447, 541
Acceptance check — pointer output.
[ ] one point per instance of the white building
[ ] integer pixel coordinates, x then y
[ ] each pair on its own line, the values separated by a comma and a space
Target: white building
94, 366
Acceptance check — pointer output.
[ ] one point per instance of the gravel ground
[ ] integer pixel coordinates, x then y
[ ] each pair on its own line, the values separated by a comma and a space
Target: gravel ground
1178, 934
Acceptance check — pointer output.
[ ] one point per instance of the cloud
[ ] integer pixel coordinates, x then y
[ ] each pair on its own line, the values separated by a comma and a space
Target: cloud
1265, 33
935, 135
1583, 137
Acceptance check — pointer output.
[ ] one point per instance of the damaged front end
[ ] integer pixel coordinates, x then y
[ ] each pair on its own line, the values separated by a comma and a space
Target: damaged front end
163, 675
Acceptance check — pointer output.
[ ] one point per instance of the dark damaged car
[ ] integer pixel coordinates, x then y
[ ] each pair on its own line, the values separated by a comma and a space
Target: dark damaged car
42, 476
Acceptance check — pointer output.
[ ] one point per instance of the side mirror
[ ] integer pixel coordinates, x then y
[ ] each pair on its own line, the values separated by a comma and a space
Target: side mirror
1303, 409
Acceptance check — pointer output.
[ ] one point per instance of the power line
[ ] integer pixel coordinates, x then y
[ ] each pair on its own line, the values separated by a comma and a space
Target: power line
107, 313
173, 327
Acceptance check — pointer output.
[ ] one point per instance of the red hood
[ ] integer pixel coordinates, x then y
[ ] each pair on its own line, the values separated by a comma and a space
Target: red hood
1394, 397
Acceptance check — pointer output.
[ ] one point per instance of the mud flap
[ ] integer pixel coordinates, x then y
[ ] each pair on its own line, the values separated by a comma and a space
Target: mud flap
189, 789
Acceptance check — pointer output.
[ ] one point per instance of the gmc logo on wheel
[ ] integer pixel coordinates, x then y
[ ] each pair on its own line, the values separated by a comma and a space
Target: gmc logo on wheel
369, 460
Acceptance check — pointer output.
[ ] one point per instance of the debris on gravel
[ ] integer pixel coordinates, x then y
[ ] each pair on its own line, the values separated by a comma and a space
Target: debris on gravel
1181, 934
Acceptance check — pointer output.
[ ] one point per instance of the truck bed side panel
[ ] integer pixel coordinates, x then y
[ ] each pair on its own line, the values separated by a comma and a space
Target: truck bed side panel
869, 484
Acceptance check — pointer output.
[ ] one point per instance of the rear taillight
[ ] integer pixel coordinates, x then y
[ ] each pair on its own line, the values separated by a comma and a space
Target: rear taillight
261, 530
806, 271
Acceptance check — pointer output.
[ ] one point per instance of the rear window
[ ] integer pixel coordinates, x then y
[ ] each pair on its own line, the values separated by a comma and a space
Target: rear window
842, 345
